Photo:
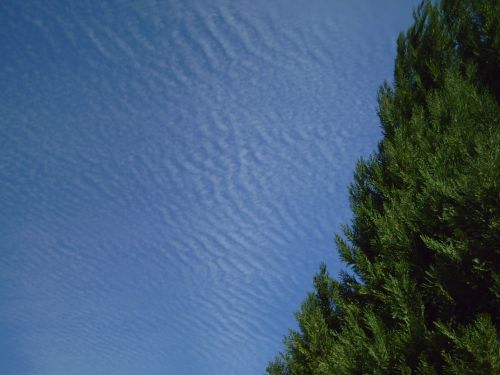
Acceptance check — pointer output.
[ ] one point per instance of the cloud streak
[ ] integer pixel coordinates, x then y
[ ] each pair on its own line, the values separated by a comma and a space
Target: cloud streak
172, 175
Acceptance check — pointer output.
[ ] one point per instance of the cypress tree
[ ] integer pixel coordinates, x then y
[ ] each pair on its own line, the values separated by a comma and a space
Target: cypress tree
421, 293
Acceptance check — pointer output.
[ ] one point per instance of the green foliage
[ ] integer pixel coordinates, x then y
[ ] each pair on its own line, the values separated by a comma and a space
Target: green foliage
424, 244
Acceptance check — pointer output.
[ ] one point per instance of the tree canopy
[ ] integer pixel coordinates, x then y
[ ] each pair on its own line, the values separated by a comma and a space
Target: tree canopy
421, 289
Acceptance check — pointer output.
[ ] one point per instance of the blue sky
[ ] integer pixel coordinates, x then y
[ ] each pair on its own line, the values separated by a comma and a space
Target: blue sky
172, 173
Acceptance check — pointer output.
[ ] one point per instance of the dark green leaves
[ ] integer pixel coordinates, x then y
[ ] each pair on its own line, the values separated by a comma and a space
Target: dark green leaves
424, 243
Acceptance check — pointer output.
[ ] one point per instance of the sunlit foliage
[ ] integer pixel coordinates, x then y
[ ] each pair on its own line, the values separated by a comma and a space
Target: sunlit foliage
421, 290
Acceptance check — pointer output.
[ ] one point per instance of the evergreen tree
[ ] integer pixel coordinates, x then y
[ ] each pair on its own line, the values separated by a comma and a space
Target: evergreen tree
422, 290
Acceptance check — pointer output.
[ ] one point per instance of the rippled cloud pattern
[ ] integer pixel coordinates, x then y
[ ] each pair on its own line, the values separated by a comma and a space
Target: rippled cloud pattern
173, 172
